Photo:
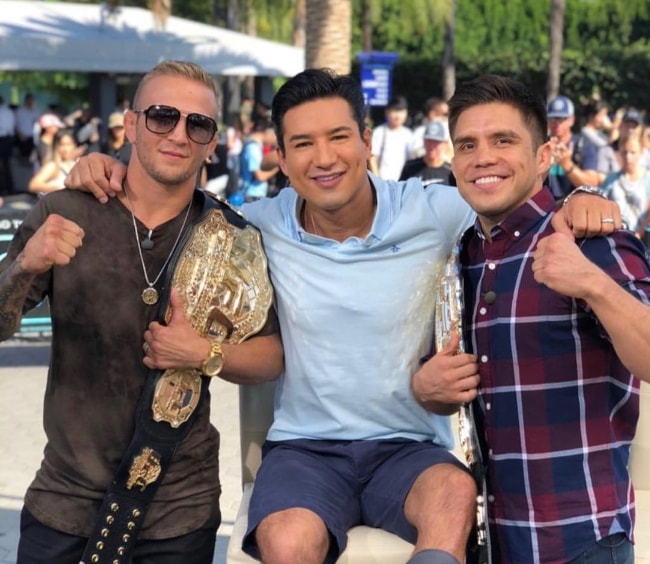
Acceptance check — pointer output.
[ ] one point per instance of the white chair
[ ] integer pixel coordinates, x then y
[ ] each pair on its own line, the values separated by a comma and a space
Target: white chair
366, 545
640, 471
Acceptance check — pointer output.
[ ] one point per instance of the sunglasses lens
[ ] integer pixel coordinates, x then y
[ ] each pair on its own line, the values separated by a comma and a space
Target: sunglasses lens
200, 128
162, 119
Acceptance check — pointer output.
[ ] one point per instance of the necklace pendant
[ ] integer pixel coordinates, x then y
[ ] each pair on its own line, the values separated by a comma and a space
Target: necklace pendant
150, 296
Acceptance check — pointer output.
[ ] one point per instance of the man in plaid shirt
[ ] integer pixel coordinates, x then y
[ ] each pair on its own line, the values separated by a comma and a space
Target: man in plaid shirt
557, 331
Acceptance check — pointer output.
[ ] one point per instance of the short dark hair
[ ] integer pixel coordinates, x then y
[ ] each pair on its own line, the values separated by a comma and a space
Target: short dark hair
592, 108
315, 84
492, 88
431, 104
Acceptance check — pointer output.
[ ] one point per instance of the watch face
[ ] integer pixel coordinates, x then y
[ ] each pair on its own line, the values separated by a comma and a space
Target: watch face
213, 365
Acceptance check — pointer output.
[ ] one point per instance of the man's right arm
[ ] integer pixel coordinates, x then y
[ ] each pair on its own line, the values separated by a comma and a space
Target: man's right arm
55, 242
14, 285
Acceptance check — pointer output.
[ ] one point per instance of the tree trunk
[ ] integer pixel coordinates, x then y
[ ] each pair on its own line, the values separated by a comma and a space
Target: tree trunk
232, 84
161, 10
299, 22
328, 39
556, 32
366, 26
448, 61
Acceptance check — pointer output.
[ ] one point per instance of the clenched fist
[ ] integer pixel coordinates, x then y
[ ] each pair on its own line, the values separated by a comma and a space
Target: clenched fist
54, 244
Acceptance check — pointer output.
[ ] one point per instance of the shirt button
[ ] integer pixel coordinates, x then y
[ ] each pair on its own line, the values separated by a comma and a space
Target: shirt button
482, 311
488, 406
490, 453
491, 498
484, 358
491, 265
517, 234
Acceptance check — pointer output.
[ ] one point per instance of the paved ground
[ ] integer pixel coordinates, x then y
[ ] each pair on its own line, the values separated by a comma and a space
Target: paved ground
23, 372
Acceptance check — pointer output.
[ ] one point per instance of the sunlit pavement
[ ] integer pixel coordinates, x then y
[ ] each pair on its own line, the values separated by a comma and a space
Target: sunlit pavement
23, 373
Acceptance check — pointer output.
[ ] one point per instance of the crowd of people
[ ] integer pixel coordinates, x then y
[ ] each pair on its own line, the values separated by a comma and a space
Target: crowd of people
592, 145
554, 337
49, 142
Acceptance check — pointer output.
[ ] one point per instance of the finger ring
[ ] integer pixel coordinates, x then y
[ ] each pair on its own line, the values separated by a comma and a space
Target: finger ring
607, 220
146, 348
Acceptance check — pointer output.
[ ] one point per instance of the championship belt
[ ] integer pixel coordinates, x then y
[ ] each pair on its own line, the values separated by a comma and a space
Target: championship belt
448, 317
223, 279
220, 270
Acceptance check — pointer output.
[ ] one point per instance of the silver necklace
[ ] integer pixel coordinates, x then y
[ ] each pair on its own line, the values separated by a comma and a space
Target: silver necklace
150, 294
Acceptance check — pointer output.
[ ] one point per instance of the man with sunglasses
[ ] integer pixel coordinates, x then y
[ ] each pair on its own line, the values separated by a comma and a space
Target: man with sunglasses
130, 470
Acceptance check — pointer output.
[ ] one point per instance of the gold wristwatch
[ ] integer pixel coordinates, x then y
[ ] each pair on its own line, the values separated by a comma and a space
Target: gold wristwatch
214, 363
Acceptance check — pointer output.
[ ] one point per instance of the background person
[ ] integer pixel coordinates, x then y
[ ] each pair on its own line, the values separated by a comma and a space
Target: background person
49, 125
253, 174
115, 136
630, 187
26, 117
391, 141
575, 162
7, 129
51, 176
432, 168
434, 109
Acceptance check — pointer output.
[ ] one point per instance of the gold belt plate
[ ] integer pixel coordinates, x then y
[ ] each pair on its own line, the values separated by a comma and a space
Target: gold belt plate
223, 278
144, 470
176, 396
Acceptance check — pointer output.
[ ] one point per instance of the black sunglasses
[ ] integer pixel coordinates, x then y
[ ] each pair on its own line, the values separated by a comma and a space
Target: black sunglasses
163, 119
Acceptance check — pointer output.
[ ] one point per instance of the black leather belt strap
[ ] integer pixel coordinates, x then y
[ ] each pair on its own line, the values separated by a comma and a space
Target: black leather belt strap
123, 510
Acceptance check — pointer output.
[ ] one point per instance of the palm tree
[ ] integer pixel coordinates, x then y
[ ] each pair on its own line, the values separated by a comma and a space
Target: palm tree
299, 23
448, 60
556, 31
328, 34
161, 10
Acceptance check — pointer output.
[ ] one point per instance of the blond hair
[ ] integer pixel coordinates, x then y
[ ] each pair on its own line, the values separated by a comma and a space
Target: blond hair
182, 69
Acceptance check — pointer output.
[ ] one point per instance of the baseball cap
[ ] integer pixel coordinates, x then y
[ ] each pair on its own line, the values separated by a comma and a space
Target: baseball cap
560, 107
435, 131
116, 119
633, 115
50, 120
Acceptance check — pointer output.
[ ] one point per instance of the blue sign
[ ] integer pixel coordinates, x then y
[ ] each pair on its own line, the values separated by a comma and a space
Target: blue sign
377, 77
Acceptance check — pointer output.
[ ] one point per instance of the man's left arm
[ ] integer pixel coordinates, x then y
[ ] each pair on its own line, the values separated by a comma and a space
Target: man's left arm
585, 213
562, 266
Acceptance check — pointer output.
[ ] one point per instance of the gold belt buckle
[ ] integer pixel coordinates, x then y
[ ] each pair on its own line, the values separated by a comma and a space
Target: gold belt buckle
223, 277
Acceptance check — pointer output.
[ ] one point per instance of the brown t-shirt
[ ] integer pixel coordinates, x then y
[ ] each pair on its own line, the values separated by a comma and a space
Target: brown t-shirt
96, 374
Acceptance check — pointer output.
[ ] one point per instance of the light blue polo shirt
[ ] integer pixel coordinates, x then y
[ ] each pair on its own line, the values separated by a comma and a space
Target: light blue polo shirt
357, 316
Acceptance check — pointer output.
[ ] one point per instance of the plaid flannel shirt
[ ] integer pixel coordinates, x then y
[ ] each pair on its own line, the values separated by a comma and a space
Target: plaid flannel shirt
557, 410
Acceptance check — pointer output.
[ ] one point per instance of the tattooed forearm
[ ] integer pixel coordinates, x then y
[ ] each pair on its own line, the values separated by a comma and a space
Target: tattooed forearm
14, 285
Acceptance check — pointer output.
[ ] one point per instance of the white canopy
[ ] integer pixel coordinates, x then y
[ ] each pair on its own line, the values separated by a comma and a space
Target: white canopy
60, 36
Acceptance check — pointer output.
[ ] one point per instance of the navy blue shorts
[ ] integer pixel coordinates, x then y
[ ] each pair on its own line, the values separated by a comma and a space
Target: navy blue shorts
346, 483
